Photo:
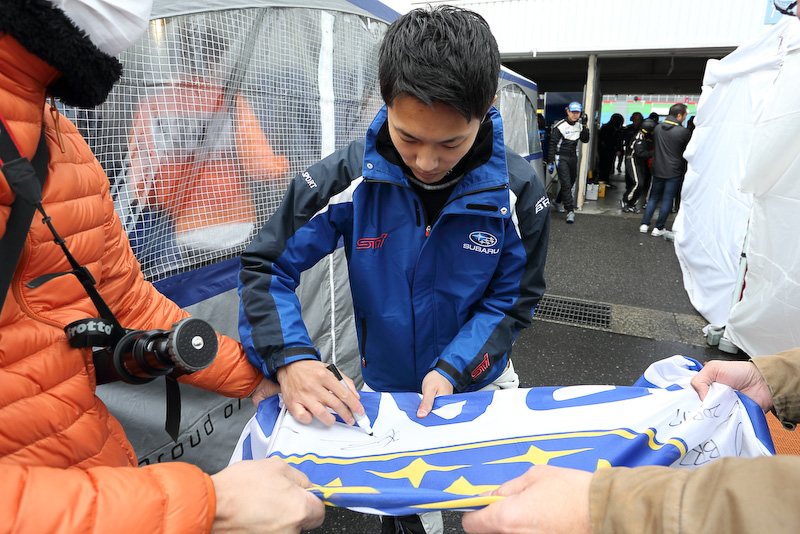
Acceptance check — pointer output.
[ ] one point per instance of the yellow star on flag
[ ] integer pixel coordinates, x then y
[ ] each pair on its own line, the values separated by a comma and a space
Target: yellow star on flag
462, 486
415, 471
537, 456
335, 487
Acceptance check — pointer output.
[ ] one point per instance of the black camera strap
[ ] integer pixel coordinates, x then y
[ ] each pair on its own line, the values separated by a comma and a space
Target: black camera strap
26, 178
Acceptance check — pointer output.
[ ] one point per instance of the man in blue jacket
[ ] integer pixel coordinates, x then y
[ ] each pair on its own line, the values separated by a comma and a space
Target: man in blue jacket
445, 232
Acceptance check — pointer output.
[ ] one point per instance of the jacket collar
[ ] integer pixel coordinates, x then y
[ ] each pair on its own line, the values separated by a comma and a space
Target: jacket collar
670, 122
490, 158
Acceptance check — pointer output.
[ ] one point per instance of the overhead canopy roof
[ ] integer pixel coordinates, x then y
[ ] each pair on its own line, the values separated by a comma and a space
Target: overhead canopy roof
367, 8
642, 47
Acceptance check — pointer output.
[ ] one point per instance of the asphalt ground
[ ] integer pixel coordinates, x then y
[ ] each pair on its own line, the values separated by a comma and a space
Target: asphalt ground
602, 259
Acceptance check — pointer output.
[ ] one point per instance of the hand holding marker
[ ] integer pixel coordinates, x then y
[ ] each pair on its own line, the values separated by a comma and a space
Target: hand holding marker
361, 420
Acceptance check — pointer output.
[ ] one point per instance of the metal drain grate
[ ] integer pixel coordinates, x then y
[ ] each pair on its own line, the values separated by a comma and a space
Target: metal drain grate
574, 311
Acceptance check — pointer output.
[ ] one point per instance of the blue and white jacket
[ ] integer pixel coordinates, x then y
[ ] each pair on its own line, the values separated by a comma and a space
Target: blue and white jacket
449, 294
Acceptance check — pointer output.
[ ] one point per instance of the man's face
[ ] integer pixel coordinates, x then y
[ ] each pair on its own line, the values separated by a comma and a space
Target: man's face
681, 117
573, 115
431, 140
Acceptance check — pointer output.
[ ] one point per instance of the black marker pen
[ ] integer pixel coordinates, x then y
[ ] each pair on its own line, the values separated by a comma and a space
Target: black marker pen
361, 420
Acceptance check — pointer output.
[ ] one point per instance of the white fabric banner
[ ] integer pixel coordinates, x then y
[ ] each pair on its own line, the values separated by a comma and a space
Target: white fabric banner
473, 442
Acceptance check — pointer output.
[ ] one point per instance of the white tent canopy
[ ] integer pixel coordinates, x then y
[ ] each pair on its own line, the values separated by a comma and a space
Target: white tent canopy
743, 181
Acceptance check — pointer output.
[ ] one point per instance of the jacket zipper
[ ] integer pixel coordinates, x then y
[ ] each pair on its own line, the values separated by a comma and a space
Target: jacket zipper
56, 115
363, 342
430, 226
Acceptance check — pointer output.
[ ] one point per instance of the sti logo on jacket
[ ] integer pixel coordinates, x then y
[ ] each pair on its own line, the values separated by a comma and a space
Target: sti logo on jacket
371, 242
482, 242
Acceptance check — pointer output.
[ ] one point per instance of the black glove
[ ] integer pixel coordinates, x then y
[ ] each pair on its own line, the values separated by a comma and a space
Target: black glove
584, 119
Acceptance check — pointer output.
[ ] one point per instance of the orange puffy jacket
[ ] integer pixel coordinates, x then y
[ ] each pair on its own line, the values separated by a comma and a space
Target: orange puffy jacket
65, 463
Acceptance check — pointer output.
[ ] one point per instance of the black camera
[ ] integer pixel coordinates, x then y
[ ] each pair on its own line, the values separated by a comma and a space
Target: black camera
141, 356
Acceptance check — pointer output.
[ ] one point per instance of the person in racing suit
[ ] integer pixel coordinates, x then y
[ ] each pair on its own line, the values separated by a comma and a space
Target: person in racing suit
563, 152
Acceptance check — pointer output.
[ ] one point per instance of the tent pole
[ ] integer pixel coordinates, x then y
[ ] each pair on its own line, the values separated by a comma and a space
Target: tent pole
586, 151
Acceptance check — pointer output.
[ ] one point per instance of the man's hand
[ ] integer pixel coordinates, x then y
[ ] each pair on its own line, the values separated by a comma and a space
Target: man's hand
741, 376
266, 497
309, 389
545, 499
265, 388
433, 385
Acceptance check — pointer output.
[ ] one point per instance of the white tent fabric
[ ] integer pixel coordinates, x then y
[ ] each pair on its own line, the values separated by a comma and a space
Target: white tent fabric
728, 140
766, 319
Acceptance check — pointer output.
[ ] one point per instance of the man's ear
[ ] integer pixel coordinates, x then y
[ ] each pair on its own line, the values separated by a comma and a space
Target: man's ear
485, 115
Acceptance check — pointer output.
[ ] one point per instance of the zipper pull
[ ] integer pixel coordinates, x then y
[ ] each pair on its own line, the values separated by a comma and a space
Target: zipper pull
56, 115
427, 231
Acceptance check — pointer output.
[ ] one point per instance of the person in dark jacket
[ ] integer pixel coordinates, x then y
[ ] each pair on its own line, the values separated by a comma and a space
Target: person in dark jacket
638, 150
563, 153
607, 145
624, 141
444, 228
669, 142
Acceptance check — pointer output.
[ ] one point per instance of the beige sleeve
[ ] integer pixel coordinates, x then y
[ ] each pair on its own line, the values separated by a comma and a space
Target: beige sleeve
782, 373
731, 495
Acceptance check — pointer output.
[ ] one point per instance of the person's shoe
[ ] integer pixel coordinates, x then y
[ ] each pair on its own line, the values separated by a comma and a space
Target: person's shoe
559, 207
643, 228
622, 205
657, 233
571, 217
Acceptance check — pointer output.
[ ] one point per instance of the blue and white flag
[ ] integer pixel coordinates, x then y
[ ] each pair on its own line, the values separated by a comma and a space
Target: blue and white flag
473, 442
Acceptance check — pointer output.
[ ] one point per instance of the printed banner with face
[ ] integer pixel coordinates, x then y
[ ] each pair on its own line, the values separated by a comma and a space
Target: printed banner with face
473, 442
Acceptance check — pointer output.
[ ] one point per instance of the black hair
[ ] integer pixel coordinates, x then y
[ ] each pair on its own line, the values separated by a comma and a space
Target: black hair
444, 54
677, 109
